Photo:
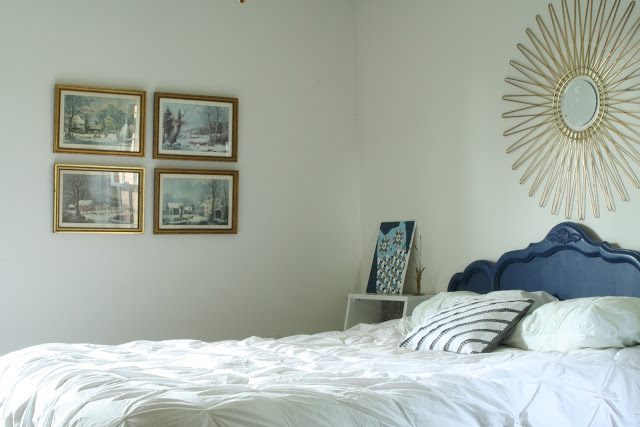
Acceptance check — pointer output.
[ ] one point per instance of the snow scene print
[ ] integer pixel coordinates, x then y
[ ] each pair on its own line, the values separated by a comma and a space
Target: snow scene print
194, 127
99, 121
98, 198
391, 257
192, 201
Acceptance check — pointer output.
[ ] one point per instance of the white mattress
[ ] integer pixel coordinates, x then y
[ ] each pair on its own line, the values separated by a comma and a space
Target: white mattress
358, 377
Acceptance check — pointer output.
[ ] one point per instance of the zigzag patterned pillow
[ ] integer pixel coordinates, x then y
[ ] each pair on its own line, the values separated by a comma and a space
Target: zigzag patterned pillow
471, 326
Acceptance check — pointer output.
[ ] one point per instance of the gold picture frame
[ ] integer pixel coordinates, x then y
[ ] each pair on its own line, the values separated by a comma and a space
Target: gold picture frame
195, 201
195, 127
98, 199
93, 120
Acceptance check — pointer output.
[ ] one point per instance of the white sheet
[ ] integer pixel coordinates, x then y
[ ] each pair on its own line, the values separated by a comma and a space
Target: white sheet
358, 377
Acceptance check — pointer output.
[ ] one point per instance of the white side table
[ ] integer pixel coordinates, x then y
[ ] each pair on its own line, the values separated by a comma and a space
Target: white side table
367, 308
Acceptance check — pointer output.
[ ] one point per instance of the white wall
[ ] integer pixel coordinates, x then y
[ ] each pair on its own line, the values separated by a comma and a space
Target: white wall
288, 270
426, 79
430, 78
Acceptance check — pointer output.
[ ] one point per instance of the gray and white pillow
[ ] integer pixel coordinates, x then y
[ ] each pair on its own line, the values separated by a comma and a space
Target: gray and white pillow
471, 326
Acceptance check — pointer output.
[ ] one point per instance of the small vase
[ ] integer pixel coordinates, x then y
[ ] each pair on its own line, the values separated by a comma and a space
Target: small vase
418, 279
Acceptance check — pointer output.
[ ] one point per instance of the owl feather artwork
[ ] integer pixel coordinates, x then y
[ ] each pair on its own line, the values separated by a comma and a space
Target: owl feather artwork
391, 257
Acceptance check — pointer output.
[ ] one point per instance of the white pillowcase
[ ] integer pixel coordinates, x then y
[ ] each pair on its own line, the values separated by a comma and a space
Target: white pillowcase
474, 325
596, 322
540, 298
436, 303
428, 308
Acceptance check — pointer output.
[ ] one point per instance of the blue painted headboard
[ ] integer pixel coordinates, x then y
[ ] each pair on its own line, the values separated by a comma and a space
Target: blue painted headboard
567, 263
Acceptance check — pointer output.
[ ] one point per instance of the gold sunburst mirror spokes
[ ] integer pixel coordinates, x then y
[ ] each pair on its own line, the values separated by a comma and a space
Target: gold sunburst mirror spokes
577, 96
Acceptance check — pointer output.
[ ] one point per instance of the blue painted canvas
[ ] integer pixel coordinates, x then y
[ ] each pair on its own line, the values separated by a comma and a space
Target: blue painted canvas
391, 257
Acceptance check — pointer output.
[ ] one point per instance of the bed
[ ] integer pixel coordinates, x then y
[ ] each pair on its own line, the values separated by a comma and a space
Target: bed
365, 376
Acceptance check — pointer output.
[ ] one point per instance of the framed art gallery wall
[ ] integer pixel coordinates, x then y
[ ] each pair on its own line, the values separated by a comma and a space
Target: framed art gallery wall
296, 154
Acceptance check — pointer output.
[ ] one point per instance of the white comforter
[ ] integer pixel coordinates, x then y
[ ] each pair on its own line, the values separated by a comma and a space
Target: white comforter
353, 378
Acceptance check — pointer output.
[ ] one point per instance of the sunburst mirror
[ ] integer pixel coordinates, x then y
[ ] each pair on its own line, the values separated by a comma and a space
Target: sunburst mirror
576, 97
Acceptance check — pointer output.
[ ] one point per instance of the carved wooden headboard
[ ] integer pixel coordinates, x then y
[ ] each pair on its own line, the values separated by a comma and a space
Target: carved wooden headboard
567, 263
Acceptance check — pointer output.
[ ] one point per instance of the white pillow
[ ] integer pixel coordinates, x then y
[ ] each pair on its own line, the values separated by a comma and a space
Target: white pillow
539, 297
596, 322
514, 339
434, 304
428, 308
475, 325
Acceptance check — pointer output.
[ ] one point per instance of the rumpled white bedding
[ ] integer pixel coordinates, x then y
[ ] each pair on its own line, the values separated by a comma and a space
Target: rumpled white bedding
354, 378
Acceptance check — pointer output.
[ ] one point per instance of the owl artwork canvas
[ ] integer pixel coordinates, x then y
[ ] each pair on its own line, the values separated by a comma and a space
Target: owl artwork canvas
391, 257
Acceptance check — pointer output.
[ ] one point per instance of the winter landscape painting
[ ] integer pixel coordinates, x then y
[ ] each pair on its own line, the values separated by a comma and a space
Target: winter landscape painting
100, 199
194, 127
195, 201
99, 121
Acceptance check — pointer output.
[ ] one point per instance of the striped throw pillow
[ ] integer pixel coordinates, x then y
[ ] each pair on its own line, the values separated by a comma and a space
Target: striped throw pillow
470, 326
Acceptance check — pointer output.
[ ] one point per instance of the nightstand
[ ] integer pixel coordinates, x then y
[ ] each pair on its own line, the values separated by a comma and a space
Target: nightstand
369, 308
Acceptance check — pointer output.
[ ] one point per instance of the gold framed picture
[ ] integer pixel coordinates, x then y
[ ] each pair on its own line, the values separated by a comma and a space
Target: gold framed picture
91, 120
195, 127
191, 201
98, 199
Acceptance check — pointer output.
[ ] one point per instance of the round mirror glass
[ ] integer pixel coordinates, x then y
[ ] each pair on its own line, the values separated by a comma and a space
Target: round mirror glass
580, 103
